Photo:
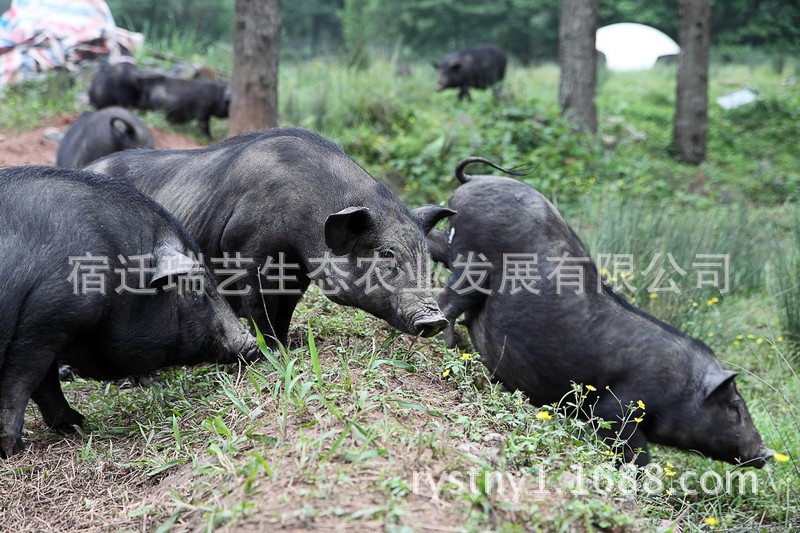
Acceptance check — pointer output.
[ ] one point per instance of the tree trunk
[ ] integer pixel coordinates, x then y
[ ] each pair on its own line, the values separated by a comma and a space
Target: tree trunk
578, 60
256, 37
691, 102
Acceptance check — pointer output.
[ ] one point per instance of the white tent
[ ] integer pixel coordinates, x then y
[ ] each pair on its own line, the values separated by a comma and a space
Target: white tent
629, 46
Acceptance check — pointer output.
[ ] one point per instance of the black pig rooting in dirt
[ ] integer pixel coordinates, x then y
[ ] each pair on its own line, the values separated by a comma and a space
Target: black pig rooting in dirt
287, 207
479, 67
52, 217
96, 134
667, 388
185, 100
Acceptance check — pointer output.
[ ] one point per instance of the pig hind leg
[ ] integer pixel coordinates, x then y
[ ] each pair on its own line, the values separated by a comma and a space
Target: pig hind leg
55, 410
20, 375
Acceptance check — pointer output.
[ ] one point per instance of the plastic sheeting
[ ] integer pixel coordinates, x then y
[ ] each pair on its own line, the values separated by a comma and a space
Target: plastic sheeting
630, 46
38, 35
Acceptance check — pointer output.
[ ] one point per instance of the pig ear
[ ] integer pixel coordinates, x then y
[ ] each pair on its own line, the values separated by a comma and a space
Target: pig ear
171, 264
429, 215
343, 229
716, 381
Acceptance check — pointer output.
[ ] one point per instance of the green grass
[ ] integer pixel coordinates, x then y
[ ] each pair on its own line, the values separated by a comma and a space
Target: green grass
355, 425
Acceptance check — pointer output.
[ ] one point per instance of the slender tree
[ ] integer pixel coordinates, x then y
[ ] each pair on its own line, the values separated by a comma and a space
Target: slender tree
578, 61
690, 127
256, 35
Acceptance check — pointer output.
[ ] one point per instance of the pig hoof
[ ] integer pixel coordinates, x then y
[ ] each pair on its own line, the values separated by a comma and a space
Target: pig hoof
65, 421
10, 446
146, 380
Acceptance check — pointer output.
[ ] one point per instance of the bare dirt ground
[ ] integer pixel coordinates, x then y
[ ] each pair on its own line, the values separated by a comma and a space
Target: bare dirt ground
37, 147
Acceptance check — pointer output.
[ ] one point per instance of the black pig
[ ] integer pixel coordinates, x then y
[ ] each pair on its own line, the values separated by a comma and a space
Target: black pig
100, 133
290, 196
479, 67
115, 85
185, 100
538, 339
62, 232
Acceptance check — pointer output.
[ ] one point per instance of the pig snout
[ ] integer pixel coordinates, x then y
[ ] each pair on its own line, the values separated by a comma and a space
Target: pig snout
250, 352
429, 323
764, 455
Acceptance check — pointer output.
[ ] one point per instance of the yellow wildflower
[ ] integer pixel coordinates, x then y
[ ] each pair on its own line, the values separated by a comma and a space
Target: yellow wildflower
781, 458
751, 336
710, 334
780, 338
670, 465
446, 373
669, 472
715, 299
669, 492
466, 357
759, 340
603, 271
638, 419
608, 452
710, 303
591, 388
736, 343
543, 415
711, 521
740, 337
652, 295
640, 403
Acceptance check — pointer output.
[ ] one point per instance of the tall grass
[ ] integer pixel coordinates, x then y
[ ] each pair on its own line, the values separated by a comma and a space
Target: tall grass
786, 289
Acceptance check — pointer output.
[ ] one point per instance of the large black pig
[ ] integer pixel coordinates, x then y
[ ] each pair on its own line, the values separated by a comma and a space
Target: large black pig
289, 196
185, 100
100, 133
65, 235
115, 85
479, 67
539, 339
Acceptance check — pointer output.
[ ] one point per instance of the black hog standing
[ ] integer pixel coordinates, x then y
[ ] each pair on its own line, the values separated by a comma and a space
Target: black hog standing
185, 100
292, 204
479, 67
100, 133
115, 85
539, 338
65, 235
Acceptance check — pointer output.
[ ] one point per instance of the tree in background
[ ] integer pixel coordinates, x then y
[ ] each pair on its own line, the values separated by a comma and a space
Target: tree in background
578, 61
690, 126
256, 39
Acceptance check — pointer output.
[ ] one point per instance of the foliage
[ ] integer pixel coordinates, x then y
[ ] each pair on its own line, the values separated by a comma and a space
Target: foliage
528, 29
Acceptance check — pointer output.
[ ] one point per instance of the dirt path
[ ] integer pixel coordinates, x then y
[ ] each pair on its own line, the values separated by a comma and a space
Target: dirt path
36, 147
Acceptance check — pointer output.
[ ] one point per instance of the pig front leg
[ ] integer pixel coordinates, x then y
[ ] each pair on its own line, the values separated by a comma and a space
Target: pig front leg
630, 437
453, 305
56, 412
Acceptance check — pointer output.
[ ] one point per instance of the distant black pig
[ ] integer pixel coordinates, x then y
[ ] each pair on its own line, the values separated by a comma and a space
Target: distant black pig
100, 133
65, 235
185, 100
539, 339
479, 67
115, 85
290, 197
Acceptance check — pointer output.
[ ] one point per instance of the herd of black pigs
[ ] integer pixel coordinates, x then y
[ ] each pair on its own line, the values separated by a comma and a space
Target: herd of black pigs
287, 208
